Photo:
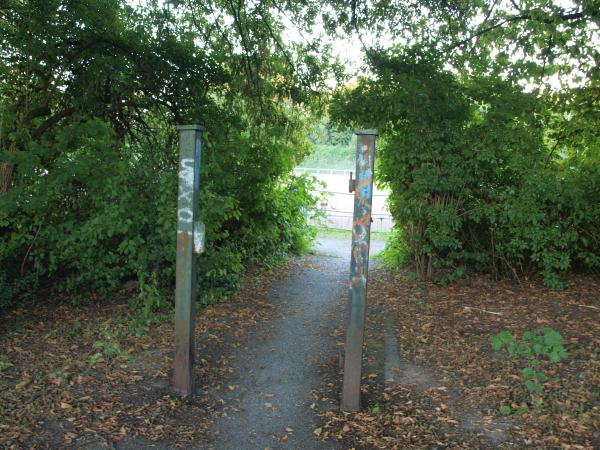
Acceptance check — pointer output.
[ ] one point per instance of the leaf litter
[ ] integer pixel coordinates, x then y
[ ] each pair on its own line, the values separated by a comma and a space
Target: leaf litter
450, 384
51, 396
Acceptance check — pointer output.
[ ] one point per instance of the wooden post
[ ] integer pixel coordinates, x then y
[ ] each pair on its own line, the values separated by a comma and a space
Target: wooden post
359, 267
190, 150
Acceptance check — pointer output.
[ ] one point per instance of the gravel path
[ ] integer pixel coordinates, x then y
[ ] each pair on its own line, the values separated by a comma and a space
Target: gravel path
268, 403
271, 405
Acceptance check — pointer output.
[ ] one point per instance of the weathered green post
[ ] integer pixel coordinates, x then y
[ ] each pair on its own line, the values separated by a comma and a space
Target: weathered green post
190, 240
359, 266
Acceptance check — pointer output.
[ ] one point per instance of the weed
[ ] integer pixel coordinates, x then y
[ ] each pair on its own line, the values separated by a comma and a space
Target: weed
147, 305
60, 378
4, 365
396, 252
149, 298
67, 331
106, 349
375, 409
534, 348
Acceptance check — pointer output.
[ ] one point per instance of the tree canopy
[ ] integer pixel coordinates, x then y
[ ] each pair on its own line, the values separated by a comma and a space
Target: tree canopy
89, 96
488, 112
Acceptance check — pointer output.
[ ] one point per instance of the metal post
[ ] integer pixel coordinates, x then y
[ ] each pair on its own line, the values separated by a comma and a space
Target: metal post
359, 267
189, 240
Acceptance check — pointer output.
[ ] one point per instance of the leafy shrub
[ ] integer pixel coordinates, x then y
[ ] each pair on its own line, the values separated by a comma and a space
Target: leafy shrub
396, 252
89, 157
533, 348
105, 213
474, 183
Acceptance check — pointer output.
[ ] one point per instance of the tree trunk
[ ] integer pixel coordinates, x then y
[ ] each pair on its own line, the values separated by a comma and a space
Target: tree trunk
6, 170
5, 175
424, 267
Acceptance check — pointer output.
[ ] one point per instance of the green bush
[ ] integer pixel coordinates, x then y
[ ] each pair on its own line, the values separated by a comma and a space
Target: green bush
475, 181
396, 252
104, 213
89, 96
340, 157
332, 149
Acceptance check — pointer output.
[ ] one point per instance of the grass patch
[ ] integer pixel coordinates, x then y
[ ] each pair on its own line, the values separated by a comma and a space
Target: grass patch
347, 234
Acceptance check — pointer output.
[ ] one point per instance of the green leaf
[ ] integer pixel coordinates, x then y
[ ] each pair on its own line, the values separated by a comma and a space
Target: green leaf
528, 372
538, 348
505, 410
541, 377
528, 336
532, 386
94, 359
501, 339
554, 356
522, 409
552, 338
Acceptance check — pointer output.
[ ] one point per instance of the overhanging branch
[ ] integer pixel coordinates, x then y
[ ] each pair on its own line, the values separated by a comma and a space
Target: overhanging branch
574, 16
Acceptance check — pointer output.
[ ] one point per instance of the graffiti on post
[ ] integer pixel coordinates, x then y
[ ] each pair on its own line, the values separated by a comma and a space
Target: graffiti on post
359, 268
187, 242
186, 192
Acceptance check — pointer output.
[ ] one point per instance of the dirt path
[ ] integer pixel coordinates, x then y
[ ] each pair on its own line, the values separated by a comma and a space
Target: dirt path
268, 400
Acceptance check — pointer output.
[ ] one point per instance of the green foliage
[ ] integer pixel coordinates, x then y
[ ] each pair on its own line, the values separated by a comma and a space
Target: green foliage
22, 288
375, 409
68, 331
4, 365
474, 182
505, 410
396, 252
106, 349
338, 157
333, 149
149, 301
485, 36
535, 348
109, 216
89, 96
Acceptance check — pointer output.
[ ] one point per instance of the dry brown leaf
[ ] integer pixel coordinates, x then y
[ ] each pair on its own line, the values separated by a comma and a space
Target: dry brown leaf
24, 382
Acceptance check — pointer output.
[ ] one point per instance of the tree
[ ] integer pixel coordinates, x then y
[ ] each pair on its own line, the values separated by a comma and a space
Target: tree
473, 185
90, 93
62, 60
549, 46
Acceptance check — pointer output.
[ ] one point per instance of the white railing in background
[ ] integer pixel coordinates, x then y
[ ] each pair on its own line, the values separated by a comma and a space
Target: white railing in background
342, 220
320, 171
346, 193
339, 203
